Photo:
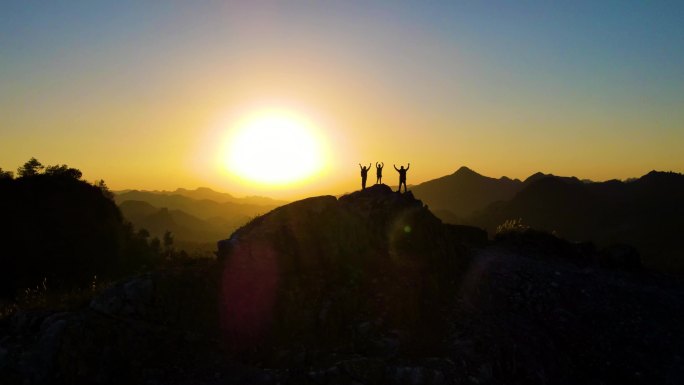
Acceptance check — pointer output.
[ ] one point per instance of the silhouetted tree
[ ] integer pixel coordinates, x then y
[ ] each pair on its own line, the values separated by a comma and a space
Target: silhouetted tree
105, 189
168, 241
31, 168
143, 233
64, 229
6, 174
155, 244
63, 171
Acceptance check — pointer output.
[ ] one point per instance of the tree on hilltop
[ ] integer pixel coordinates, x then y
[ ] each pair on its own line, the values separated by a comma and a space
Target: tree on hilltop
105, 189
63, 170
31, 168
6, 174
168, 240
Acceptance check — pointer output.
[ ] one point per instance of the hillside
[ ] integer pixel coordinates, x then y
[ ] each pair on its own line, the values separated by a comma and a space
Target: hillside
195, 217
460, 194
201, 208
183, 226
646, 213
205, 193
369, 288
60, 232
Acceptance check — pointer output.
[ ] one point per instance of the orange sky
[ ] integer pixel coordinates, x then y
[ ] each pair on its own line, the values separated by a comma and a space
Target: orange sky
145, 96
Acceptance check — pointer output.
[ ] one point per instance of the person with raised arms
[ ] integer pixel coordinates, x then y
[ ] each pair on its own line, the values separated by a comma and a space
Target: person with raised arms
402, 175
364, 175
378, 172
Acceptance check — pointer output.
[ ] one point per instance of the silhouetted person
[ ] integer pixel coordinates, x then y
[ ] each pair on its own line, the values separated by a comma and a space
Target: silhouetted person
364, 175
402, 176
378, 171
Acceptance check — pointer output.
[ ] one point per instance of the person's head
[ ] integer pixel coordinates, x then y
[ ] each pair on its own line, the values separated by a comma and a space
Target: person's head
402, 167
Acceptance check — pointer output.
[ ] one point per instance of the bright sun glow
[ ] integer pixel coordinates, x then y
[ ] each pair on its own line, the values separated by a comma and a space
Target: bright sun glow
274, 148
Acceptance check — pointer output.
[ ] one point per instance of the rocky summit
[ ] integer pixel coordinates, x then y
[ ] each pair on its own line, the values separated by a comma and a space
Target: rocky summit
367, 288
310, 270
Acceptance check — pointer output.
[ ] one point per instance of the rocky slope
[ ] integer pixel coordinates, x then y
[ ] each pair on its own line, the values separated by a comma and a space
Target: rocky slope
646, 213
313, 268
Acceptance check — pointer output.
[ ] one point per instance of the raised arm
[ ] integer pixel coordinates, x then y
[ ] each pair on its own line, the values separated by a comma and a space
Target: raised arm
369, 166
382, 164
395, 167
409, 166
360, 166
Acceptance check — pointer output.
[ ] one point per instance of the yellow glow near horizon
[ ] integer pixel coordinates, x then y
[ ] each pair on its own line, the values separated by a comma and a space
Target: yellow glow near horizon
274, 148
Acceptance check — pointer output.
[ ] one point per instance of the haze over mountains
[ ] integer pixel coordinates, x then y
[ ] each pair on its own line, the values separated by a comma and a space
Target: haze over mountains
194, 216
205, 193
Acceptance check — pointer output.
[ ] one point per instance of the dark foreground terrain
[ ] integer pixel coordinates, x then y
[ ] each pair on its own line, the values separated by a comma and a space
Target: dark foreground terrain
370, 288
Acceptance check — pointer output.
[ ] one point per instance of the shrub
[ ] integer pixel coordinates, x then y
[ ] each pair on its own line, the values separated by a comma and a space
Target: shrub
512, 225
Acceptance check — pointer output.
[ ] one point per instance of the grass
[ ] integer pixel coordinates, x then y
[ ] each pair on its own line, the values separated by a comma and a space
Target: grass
512, 225
41, 297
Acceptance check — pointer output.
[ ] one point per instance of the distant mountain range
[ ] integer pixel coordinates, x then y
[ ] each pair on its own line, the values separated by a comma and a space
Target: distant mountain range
196, 216
185, 227
646, 212
204, 193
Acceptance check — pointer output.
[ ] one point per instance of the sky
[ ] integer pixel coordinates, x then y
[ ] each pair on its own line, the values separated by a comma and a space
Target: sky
149, 95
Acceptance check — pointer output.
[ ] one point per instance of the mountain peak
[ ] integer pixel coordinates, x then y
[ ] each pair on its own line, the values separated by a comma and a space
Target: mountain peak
660, 174
465, 171
465, 191
380, 196
535, 177
662, 177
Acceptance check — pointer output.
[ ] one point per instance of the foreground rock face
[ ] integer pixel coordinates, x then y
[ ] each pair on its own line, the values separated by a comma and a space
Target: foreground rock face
369, 288
523, 319
313, 268
155, 328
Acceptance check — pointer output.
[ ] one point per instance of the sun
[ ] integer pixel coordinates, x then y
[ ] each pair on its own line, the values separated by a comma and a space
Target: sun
274, 148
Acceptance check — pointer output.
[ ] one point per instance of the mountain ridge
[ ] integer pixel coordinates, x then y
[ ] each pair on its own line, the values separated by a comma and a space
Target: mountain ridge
201, 208
643, 212
195, 220
206, 193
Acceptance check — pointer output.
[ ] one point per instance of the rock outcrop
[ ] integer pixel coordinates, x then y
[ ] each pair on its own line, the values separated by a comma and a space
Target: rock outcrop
317, 266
